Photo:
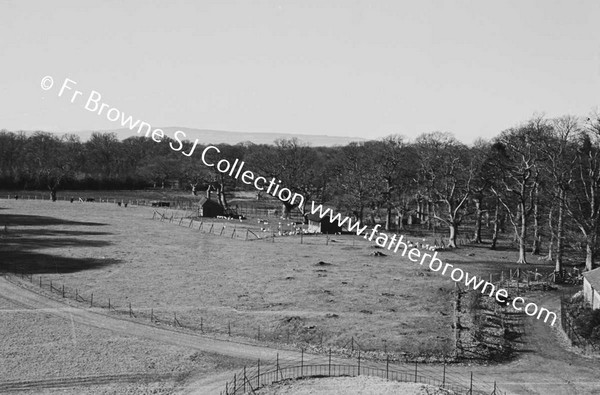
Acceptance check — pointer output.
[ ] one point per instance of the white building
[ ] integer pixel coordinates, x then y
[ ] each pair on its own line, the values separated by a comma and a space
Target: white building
591, 288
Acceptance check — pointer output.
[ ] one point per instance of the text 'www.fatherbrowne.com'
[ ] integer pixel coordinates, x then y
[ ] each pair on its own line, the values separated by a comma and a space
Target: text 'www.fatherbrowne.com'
435, 264
93, 103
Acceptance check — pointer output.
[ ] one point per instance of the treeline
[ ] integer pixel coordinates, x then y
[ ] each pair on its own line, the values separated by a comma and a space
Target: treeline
540, 179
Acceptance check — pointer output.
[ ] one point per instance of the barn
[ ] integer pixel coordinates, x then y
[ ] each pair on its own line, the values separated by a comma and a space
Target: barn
209, 208
317, 224
591, 288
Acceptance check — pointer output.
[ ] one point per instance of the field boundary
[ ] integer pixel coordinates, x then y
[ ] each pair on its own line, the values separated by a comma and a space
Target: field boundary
229, 329
566, 321
250, 379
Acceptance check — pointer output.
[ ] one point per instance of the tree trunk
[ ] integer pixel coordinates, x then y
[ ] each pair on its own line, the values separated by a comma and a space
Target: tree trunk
452, 237
496, 226
388, 218
400, 220
478, 220
53, 194
221, 195
535, 248
286, 210
522, 236
194, 192
589, 252
560, 232
550, 255
429, 222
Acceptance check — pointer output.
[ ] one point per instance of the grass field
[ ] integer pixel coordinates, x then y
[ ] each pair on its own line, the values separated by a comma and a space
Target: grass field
38, 346
325, 292
122, 254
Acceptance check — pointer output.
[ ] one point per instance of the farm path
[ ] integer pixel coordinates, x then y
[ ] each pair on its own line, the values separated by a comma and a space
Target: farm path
545, 366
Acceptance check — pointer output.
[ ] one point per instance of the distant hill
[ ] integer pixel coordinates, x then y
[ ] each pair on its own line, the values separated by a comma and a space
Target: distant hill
222, 137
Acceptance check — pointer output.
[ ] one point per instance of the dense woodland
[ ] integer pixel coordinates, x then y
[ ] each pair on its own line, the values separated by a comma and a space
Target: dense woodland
540, 179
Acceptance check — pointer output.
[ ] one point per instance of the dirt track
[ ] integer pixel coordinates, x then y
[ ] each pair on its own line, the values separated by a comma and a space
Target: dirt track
545, 367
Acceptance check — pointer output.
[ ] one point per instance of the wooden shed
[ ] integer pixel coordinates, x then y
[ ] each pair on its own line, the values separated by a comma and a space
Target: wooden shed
317, 224
209, 208
591, 288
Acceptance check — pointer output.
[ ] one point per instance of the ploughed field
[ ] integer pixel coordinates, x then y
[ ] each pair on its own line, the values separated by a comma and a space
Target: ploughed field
325, 292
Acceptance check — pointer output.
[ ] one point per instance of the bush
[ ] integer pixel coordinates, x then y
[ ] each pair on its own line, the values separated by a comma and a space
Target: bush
587, 323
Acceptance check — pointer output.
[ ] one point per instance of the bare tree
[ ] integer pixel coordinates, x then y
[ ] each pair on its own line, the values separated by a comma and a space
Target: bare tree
516, 157
447, 172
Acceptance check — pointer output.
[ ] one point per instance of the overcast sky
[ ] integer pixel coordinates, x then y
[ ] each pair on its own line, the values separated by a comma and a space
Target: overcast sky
345, 68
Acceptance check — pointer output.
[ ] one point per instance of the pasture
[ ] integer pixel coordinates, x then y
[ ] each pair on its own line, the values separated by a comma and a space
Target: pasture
281, 291
45, 352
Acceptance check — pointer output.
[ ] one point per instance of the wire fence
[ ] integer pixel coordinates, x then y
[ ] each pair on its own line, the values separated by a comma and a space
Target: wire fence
293, 337
250, 379
265, 231
264, 209
570, 329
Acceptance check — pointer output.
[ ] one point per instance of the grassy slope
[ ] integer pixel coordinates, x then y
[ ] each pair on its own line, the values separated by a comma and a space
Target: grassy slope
277, 286
36, 345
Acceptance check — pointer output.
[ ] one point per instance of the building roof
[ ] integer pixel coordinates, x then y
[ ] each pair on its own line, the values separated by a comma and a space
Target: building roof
593, 277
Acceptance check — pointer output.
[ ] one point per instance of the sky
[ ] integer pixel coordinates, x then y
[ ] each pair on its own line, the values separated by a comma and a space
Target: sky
340, 68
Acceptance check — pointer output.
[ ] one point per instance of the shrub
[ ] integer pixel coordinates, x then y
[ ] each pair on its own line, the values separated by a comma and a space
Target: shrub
587, 323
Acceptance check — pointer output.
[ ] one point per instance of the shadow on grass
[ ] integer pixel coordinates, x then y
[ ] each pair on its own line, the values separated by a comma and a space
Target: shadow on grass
37, 263
18, 247
56, 232
38, 220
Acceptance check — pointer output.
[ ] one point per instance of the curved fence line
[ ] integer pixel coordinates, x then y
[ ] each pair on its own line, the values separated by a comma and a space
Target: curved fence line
248, 381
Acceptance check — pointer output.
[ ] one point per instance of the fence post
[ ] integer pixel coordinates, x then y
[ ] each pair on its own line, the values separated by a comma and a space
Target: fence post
387, 367
359, 362
329, 362
222, 229
108, 304
130, 312
201, 325
471, 386
258, 375
302, 363
234, 384
91, 300
229, 328
245, 379
50, 284
415, 371
40, 281
63, 290
444, 376
151, 315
